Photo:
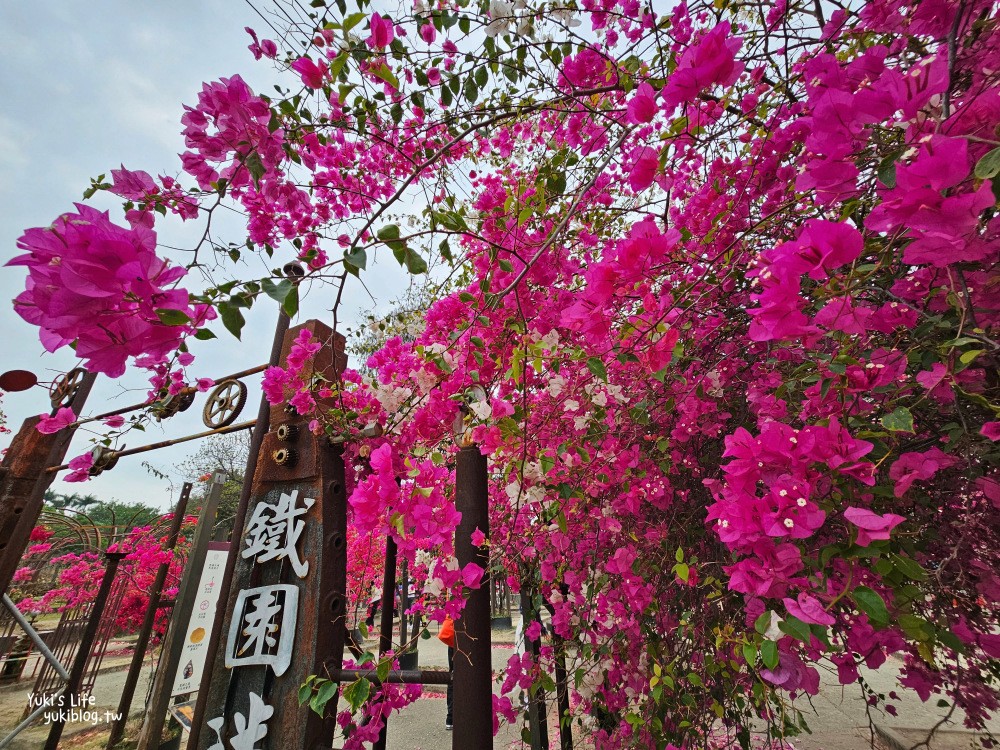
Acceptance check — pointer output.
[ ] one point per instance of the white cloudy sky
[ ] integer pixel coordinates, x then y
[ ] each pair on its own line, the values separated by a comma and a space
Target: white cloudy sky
85, 87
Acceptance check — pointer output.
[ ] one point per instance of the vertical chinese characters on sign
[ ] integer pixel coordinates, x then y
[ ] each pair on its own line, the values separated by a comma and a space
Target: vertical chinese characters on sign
263, 625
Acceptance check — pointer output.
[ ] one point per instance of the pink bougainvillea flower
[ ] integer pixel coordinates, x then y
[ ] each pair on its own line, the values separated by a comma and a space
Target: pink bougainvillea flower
991, 430
63, 418
938, 380
133, 186
642, 105
644, 170
826, 245
428, 33
383, 31
709, 61
808, 609
871, 526
917, 466
472, 575
81, 466
115, 421
261, 48
313, 74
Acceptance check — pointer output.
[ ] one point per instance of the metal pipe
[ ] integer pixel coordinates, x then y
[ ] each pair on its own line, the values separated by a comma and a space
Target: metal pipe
536, 696
473, 703
43, 649
256, 440
29, 720
385, 623
135, 407
142, 642
395, 676
562, 694
167, 443
86, 644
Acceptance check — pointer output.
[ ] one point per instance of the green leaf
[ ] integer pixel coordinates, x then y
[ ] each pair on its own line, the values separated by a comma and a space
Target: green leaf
750, 653
278, 292
763, 622
356, 258
679, 555
597, 368
255, 166
415, 262
769, 654
232, 318
357, 693
305, 691
204, 334
383, 73
388, 232
173, 317
546, 463
871, 604
794, 627
901, 420
682, 571
322, 697
908, 567
291, 303
382, 670
352, 20
989, 165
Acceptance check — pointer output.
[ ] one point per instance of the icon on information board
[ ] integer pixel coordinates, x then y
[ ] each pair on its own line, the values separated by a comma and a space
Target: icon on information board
189, 669
197, 635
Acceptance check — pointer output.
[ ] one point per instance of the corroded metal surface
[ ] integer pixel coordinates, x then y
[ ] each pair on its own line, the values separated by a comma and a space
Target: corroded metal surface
316, 473
24, 479
473, 638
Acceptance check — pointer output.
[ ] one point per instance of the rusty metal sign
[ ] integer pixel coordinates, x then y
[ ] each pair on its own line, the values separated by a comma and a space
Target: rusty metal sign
285, 614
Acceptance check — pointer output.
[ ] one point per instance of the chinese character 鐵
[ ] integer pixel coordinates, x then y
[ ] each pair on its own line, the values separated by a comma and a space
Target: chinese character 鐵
274, 530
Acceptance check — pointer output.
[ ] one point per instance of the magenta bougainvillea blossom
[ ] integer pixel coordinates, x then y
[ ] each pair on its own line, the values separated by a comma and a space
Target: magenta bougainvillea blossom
723, 315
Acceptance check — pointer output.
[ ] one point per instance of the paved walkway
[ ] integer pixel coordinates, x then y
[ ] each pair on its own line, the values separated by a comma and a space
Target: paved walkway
837, 717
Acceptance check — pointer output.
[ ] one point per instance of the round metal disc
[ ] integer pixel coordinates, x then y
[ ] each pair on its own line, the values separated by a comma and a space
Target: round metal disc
13, 381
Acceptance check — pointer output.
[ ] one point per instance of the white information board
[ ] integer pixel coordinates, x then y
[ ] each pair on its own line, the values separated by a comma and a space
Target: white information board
199, 628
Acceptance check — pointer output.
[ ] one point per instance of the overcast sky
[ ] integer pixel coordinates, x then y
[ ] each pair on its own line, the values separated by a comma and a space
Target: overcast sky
86, 87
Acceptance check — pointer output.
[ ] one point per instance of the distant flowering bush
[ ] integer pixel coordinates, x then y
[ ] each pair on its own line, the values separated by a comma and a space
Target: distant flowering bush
79, 574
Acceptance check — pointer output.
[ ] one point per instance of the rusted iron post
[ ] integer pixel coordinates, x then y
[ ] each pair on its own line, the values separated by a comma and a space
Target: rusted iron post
473, 640
297, 469
386, 621
562, 685
256, 439
24, 479
176, 635
537, 726
562, 694
86, 644
141, 643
